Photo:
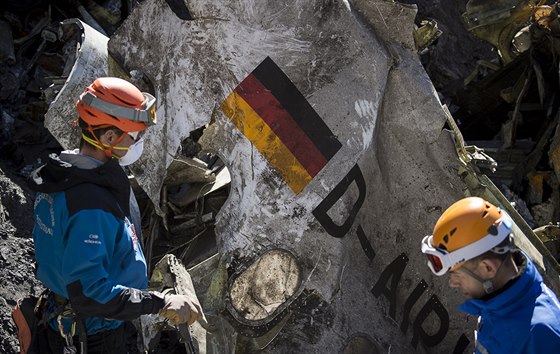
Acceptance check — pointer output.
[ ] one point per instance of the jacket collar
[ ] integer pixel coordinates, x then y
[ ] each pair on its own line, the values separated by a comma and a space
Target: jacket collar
60, 174
527, 286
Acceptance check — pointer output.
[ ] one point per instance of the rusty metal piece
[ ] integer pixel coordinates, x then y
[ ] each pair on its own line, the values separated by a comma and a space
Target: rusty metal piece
497, 22
536, 181
547, 17
550, 237
108, 15
426, 34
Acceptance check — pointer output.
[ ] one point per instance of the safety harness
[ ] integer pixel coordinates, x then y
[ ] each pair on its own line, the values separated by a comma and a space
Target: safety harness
64, 310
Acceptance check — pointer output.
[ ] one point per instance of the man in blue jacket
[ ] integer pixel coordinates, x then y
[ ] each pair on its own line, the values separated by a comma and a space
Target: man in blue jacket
86, 237
518, 313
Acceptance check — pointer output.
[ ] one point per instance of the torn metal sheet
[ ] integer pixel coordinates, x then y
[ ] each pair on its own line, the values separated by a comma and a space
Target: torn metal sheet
189, 193
91, 62
426, 34
168, 275
188, 170
344, 172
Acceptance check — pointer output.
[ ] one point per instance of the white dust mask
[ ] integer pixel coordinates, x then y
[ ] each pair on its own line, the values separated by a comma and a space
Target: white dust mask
133, 154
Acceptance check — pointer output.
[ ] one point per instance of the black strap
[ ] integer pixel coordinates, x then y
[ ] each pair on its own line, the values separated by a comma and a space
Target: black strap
82, 334
62, 306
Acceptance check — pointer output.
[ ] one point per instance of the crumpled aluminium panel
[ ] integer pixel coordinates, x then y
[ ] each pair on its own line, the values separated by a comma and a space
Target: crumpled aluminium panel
91, 62
282, 81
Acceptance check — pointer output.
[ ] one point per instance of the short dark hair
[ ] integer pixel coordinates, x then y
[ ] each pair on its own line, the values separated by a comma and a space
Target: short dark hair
99, 130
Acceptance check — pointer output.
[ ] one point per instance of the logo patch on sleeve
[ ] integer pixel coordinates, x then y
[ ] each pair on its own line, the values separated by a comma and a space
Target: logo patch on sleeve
93, 239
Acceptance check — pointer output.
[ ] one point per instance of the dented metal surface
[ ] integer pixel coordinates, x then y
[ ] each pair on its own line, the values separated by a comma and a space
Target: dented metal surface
336, 175
353, 219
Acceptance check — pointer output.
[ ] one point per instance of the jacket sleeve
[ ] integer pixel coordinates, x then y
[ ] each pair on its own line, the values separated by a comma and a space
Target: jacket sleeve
542, 339
91, 237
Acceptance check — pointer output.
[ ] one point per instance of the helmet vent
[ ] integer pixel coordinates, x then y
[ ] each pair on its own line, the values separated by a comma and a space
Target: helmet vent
442, 246
446, 238
123, 101
452, 231
484, 214
493, 230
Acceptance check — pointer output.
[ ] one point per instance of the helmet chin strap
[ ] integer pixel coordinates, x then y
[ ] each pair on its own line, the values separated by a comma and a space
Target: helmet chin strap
487, 284
107, 149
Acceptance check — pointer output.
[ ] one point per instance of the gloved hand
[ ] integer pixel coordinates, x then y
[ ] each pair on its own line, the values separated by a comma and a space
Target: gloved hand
180, 309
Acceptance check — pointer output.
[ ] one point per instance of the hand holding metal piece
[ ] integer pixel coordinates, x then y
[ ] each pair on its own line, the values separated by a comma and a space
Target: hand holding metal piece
181, 309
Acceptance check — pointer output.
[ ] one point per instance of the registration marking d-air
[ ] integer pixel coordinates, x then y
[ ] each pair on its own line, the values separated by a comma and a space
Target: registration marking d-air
275, 116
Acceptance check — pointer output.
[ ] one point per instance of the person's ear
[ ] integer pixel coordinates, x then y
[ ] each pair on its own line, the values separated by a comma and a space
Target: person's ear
108, 137
488, 267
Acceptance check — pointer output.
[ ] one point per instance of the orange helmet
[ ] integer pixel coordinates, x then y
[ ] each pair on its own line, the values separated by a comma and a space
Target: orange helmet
116, 102
467, 229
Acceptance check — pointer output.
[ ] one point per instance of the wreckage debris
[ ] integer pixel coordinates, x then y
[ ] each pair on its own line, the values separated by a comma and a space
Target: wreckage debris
512, 111
507, 111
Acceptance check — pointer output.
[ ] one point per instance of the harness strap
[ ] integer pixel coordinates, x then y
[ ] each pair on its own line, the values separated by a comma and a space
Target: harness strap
82, 334
64, 310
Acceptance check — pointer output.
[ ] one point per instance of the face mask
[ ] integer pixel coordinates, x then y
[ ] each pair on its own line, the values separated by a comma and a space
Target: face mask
133, 154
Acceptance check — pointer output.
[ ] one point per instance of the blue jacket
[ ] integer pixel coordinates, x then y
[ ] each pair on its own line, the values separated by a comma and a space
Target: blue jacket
86, 247
525, 318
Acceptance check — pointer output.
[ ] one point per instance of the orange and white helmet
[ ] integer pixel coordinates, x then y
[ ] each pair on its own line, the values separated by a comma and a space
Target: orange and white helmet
111, 101
467, 229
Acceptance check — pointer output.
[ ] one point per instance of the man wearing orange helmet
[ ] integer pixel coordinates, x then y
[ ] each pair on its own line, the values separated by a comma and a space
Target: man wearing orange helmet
86, 227
472, 241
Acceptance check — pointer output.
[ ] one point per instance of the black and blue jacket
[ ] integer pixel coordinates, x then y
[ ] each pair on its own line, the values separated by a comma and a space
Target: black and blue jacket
86, 246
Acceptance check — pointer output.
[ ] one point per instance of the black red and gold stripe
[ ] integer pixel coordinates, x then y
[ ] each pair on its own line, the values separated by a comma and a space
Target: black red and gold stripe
273, 114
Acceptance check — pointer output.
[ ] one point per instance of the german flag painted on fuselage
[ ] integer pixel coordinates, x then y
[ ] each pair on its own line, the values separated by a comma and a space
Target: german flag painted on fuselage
271, 112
